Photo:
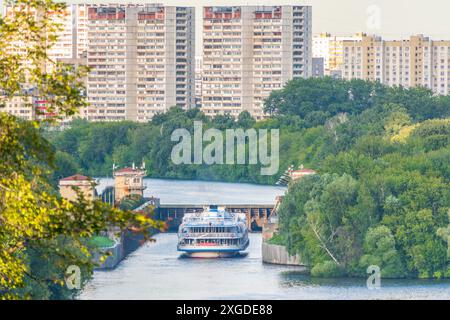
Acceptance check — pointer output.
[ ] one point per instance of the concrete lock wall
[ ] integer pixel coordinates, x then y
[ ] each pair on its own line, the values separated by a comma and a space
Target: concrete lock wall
113, 259
276, 254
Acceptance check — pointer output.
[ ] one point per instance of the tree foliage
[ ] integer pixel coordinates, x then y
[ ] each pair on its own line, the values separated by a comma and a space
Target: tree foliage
382, 195
42, 234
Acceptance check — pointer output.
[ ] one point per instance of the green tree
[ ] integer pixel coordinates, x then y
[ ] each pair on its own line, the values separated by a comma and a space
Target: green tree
444, 233
37, 226
245, 120
379, 246
65, 165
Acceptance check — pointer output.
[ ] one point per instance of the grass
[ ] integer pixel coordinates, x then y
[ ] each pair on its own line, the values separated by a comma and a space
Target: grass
101, 242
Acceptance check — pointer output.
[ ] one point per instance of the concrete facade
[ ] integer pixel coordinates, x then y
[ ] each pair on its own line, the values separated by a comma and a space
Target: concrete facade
142, 60
68, 48
417, 61
128, 181
69, 185
331, 49
249, 51
275, 254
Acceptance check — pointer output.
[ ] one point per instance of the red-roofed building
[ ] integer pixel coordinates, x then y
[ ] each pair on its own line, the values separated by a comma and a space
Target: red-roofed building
69, 185
298, 174
76, 177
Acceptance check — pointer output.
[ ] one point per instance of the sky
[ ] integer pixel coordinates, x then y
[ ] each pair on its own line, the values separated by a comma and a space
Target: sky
397, 18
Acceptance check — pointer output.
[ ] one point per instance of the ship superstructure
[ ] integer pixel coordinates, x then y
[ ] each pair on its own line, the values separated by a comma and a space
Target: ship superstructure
213, 233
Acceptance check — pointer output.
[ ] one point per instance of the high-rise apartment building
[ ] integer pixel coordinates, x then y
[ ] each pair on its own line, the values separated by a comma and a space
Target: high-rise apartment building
71, 43
249, 51
142, 60
418, 61
71, 36
68, 48
330, 48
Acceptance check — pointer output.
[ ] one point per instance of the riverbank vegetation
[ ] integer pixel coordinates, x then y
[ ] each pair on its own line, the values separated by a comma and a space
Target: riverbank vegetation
382, 193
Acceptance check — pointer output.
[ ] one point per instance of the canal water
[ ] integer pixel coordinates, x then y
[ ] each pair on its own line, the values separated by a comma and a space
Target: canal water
158, 271
203, 192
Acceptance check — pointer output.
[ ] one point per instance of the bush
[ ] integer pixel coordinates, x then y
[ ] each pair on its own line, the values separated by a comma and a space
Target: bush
131, 202
327, 269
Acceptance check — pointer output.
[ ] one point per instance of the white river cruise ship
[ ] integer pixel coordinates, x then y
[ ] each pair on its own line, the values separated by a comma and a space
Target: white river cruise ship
213, 233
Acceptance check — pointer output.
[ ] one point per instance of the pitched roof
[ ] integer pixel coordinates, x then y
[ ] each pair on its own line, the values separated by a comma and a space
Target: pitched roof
76, 177
305, 171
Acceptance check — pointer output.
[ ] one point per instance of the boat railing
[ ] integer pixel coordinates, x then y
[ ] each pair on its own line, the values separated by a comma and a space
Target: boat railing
231, 245
203, 221
211, 235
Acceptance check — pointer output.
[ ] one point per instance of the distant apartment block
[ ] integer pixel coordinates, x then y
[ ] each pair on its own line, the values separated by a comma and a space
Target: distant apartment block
331, 49
72, 40
69, 49
198, 81
249, 51
418, 61
141, 59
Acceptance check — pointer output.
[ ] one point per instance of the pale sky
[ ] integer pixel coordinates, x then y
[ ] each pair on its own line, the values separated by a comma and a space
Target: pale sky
398, 18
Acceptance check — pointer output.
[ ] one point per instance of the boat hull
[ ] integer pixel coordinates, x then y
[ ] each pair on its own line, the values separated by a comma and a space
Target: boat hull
211, 254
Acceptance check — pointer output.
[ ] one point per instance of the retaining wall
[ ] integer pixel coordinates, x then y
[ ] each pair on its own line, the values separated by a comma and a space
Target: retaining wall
276, 254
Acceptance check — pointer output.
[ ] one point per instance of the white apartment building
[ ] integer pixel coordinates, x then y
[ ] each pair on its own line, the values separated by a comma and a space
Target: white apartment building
142, 60
68, 48
71, 43
418, 61
249, 51
330, 48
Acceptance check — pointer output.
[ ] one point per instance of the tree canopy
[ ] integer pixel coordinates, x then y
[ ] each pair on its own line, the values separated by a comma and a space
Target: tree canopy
41, 234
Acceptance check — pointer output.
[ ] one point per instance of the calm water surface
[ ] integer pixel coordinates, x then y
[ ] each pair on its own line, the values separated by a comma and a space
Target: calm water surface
204, 192
158, 271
